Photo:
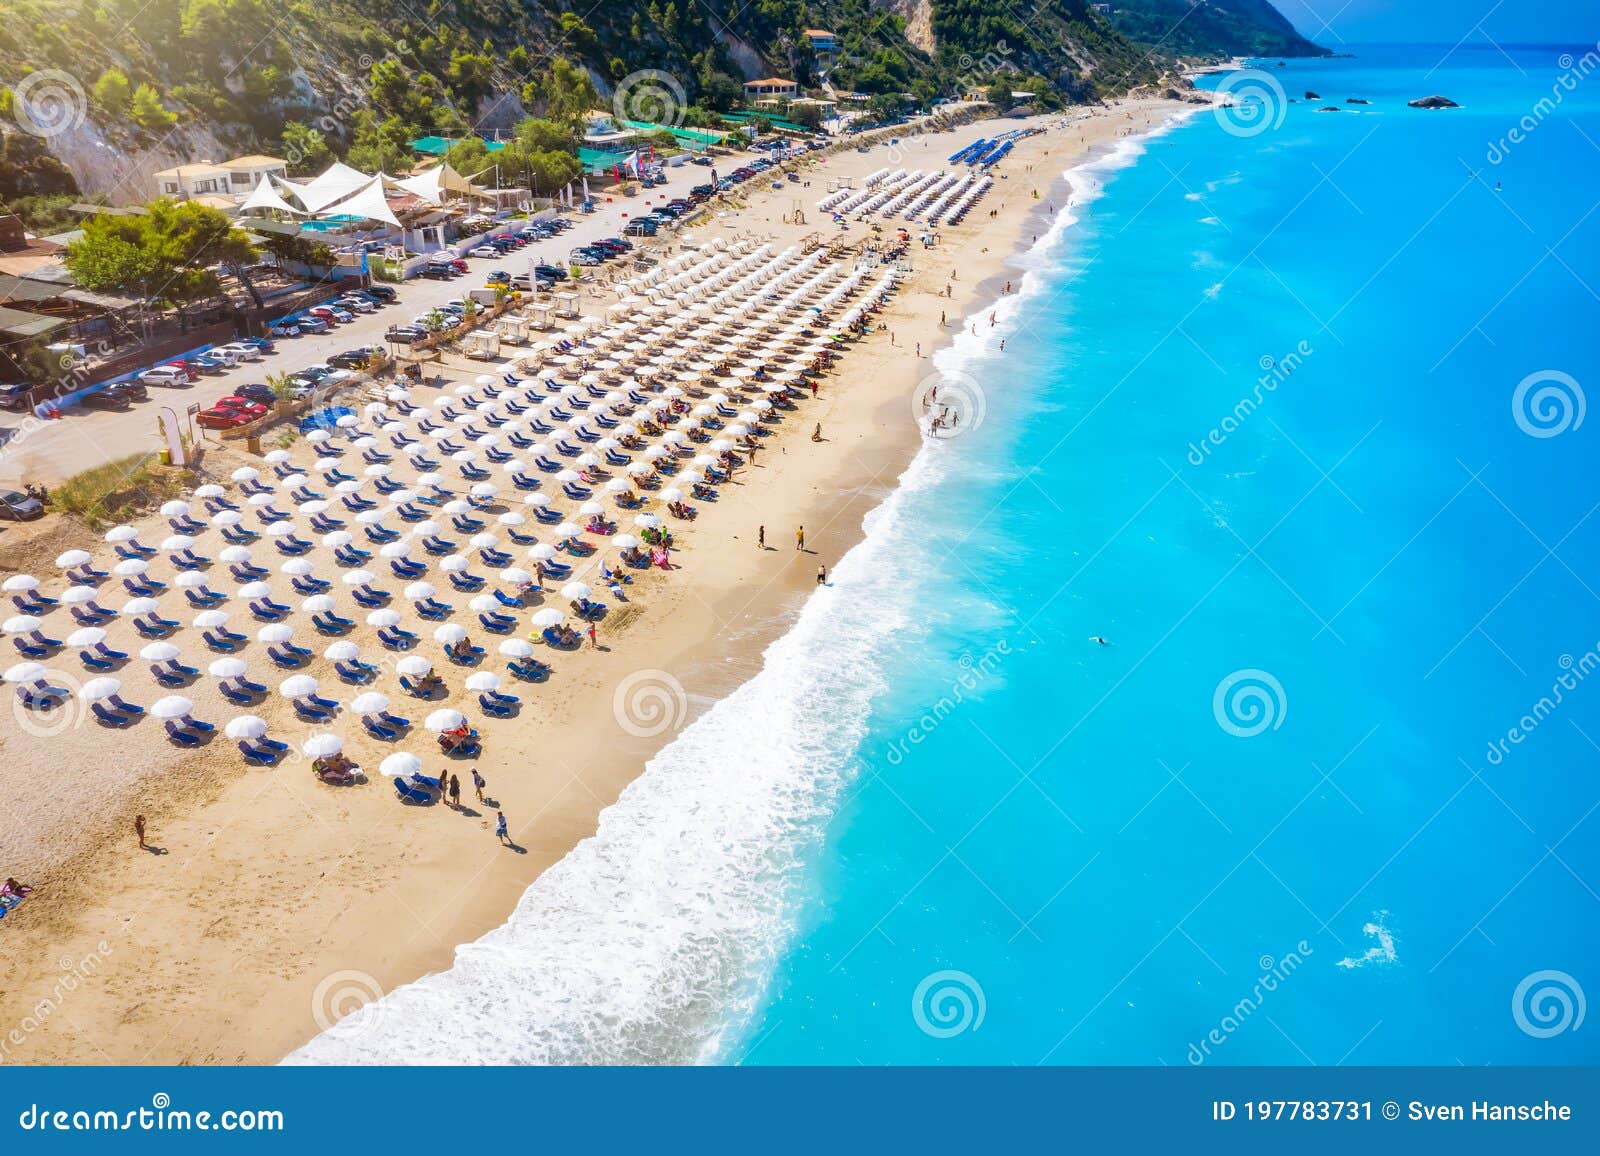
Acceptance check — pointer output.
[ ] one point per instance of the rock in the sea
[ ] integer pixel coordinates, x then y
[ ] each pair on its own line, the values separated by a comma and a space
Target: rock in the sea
1433, 102
1312, 95
1330, 108
1356, 100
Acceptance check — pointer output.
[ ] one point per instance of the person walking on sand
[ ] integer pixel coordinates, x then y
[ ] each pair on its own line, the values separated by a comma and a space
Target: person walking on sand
478, 784
500, 827
822, 575
455, 792
761, 537
800, 538
594, 643
138, 829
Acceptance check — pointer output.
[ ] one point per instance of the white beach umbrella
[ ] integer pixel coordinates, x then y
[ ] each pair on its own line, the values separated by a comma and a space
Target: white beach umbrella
297, 686
320, 746
317, 604
400, 765
384, 618
449, 633
356, 577
413, 665
211, 619
245, 726
18, 582
78, 595
255, 590
275, 632
342, 651
547, 617
86, 636
172, 706
71, 558
370, 702
159, 652
134, 607
227, 668
444, 719
21, 623
483, 680
515, 648
25, 672
99, 688
576, 591
418, 591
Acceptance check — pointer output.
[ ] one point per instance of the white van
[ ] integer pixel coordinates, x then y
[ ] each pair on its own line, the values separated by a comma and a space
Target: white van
164, 375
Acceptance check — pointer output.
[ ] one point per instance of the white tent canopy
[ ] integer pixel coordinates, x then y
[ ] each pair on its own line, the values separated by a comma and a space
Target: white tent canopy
266, 196
368, 202
336, 183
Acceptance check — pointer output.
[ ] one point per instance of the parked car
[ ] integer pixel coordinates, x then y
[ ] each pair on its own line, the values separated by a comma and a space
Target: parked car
356, 304
222, 417
616, 243
310, 323
640, 229
16, 397
405, 334
243, 404
212, 363
550, 272
702, 160
260, 394
108, 398
284, 329
381, 293
18, 507
241, 351
437, 272
353, 358
168, 375
485, 251
332, 313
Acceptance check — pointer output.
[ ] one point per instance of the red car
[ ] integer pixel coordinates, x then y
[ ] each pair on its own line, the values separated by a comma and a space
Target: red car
189, 368
243, 405
222, 418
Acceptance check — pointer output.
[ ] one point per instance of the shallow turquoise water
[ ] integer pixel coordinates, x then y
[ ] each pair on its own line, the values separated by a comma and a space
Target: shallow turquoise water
1114, 875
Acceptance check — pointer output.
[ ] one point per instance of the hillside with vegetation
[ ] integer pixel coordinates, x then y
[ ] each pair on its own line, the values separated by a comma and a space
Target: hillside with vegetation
126, 87
1212, 28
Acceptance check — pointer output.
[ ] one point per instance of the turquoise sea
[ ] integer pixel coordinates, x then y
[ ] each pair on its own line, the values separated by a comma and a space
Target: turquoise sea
1291, 413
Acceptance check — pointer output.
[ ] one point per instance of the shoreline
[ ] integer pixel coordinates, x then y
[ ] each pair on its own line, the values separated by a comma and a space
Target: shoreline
253, 949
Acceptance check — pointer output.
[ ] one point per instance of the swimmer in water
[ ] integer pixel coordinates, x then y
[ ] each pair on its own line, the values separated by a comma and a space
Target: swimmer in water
1100, 640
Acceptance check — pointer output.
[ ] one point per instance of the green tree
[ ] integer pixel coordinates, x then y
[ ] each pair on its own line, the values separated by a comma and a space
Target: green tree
147, 110
171, 252
306, 149
112, 91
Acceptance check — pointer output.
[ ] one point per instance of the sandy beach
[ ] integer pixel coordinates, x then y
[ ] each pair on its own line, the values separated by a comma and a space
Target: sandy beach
277, 904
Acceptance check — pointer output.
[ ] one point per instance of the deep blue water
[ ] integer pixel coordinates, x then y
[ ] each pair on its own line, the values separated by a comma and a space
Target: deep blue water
1069, 826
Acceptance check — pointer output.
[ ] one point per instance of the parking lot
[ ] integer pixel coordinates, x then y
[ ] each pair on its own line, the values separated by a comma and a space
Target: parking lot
47, 452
